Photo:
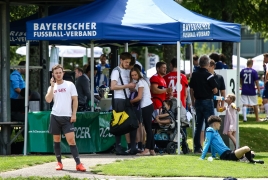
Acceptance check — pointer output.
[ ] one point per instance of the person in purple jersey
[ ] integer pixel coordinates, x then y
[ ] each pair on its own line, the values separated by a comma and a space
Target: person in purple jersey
248, 80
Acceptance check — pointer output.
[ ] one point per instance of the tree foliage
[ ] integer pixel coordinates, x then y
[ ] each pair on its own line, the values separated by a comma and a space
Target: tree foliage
19, 12
252, 13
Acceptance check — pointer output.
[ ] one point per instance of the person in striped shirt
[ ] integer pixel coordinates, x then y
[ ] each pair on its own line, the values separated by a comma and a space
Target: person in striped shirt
214, 140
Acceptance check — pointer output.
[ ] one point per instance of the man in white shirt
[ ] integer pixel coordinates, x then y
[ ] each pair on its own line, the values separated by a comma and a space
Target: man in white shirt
119, 96
63, 115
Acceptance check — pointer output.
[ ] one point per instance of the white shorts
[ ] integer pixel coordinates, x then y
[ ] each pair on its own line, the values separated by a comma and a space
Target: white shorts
249, 100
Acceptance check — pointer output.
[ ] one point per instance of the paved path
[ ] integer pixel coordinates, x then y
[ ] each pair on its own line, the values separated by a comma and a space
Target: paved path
47, 170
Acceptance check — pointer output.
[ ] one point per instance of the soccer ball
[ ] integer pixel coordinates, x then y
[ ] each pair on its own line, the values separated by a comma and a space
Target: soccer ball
106, 50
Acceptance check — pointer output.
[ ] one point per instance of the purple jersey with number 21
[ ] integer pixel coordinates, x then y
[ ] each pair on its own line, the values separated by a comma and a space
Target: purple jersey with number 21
248, 77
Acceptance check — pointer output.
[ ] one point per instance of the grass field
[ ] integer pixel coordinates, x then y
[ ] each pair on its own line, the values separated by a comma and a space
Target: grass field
252, 133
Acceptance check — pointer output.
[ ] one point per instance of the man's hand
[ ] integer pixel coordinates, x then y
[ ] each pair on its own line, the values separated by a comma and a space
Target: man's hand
73, 119
169, 90
52, 83
131, 85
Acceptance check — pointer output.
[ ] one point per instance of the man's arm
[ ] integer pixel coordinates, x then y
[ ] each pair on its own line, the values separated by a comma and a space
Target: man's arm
207, 143
258, 86
223, 95
114, 85
49, 95
192, 96
156, 90
74, 109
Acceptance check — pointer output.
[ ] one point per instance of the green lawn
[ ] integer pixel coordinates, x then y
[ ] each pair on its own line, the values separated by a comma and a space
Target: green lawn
252, 134
17, 162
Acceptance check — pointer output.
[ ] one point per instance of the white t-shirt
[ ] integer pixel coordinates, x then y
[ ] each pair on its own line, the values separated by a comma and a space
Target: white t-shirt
146, 96
119, 94
63, 98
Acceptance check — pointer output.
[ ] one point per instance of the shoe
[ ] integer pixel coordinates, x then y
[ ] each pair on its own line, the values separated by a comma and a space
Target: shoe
152, 153
80, 167
134, 152
121, 152
144, 154
245, 120
59, 166
199, 151
257, 161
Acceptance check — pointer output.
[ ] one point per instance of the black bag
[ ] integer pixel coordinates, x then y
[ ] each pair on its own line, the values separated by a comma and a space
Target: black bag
130, 124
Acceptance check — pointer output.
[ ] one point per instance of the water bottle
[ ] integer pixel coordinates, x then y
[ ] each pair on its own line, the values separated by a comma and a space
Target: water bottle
218, 98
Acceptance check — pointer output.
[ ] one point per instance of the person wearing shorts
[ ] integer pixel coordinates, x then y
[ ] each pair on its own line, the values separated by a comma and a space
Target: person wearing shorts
265, 91
248, 79
214, 140
63, 114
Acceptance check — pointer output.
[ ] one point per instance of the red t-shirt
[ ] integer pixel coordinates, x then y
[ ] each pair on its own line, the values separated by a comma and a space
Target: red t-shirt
160, 81
171, 80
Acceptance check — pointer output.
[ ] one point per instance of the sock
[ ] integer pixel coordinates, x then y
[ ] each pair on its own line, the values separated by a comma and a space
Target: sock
128, 145
140, 145
244, 111
133, 139
249, 156
118, 143
57, 151
75, 154
266, 108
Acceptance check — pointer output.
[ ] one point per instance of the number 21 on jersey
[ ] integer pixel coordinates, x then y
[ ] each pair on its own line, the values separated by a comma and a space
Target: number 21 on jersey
247, 78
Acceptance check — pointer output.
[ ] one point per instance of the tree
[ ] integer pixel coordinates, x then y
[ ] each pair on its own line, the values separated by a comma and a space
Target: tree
16, 13
246, 12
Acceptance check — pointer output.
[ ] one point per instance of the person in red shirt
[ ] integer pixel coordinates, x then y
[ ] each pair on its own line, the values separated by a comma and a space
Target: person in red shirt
158, 85
171, 81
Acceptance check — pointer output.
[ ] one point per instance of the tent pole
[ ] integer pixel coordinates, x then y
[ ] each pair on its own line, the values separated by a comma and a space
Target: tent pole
92, 76
237, 92
146, 59
126, 47
178, 87
191, 71
62, 60
26, 96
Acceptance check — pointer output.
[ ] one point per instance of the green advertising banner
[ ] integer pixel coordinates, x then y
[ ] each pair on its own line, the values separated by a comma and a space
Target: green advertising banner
91, 133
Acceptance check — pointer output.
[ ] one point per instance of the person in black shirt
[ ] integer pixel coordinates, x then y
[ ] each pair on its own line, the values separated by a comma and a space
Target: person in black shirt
202, 88
220, 84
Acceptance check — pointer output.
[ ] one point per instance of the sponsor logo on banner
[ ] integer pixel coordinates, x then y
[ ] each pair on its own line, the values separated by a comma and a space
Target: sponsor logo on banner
190, 30
105, 132
17, 36
38, 131
81, 133
64, 29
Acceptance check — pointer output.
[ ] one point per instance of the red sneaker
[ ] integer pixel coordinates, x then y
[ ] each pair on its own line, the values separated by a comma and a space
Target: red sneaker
80, 167
59, 166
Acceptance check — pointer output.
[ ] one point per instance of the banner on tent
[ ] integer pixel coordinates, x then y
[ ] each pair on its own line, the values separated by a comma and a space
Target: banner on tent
92, 133
190, 30
74, 29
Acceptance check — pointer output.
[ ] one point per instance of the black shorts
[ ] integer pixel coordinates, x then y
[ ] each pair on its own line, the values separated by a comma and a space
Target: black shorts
265, 94
229, 156
60, 124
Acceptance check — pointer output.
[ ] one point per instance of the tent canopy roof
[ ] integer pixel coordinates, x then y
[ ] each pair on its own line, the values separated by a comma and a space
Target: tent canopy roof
131, 20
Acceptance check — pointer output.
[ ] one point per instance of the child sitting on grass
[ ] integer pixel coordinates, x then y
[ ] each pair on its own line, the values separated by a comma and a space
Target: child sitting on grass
230, 119
214, 140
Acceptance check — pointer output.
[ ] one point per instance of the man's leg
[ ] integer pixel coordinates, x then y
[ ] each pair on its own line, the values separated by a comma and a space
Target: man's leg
247, 151
70, 137
244, 111
198, 128
256, 111
57, 139
265, 105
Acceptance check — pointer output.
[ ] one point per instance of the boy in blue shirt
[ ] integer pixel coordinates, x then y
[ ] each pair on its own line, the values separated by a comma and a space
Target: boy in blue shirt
214, 140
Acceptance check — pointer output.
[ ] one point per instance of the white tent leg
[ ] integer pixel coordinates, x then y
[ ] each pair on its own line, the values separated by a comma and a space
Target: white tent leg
237, 92
146, 59
62, 58
178, 93
126, 47
26, 96
191, 71
92, 76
